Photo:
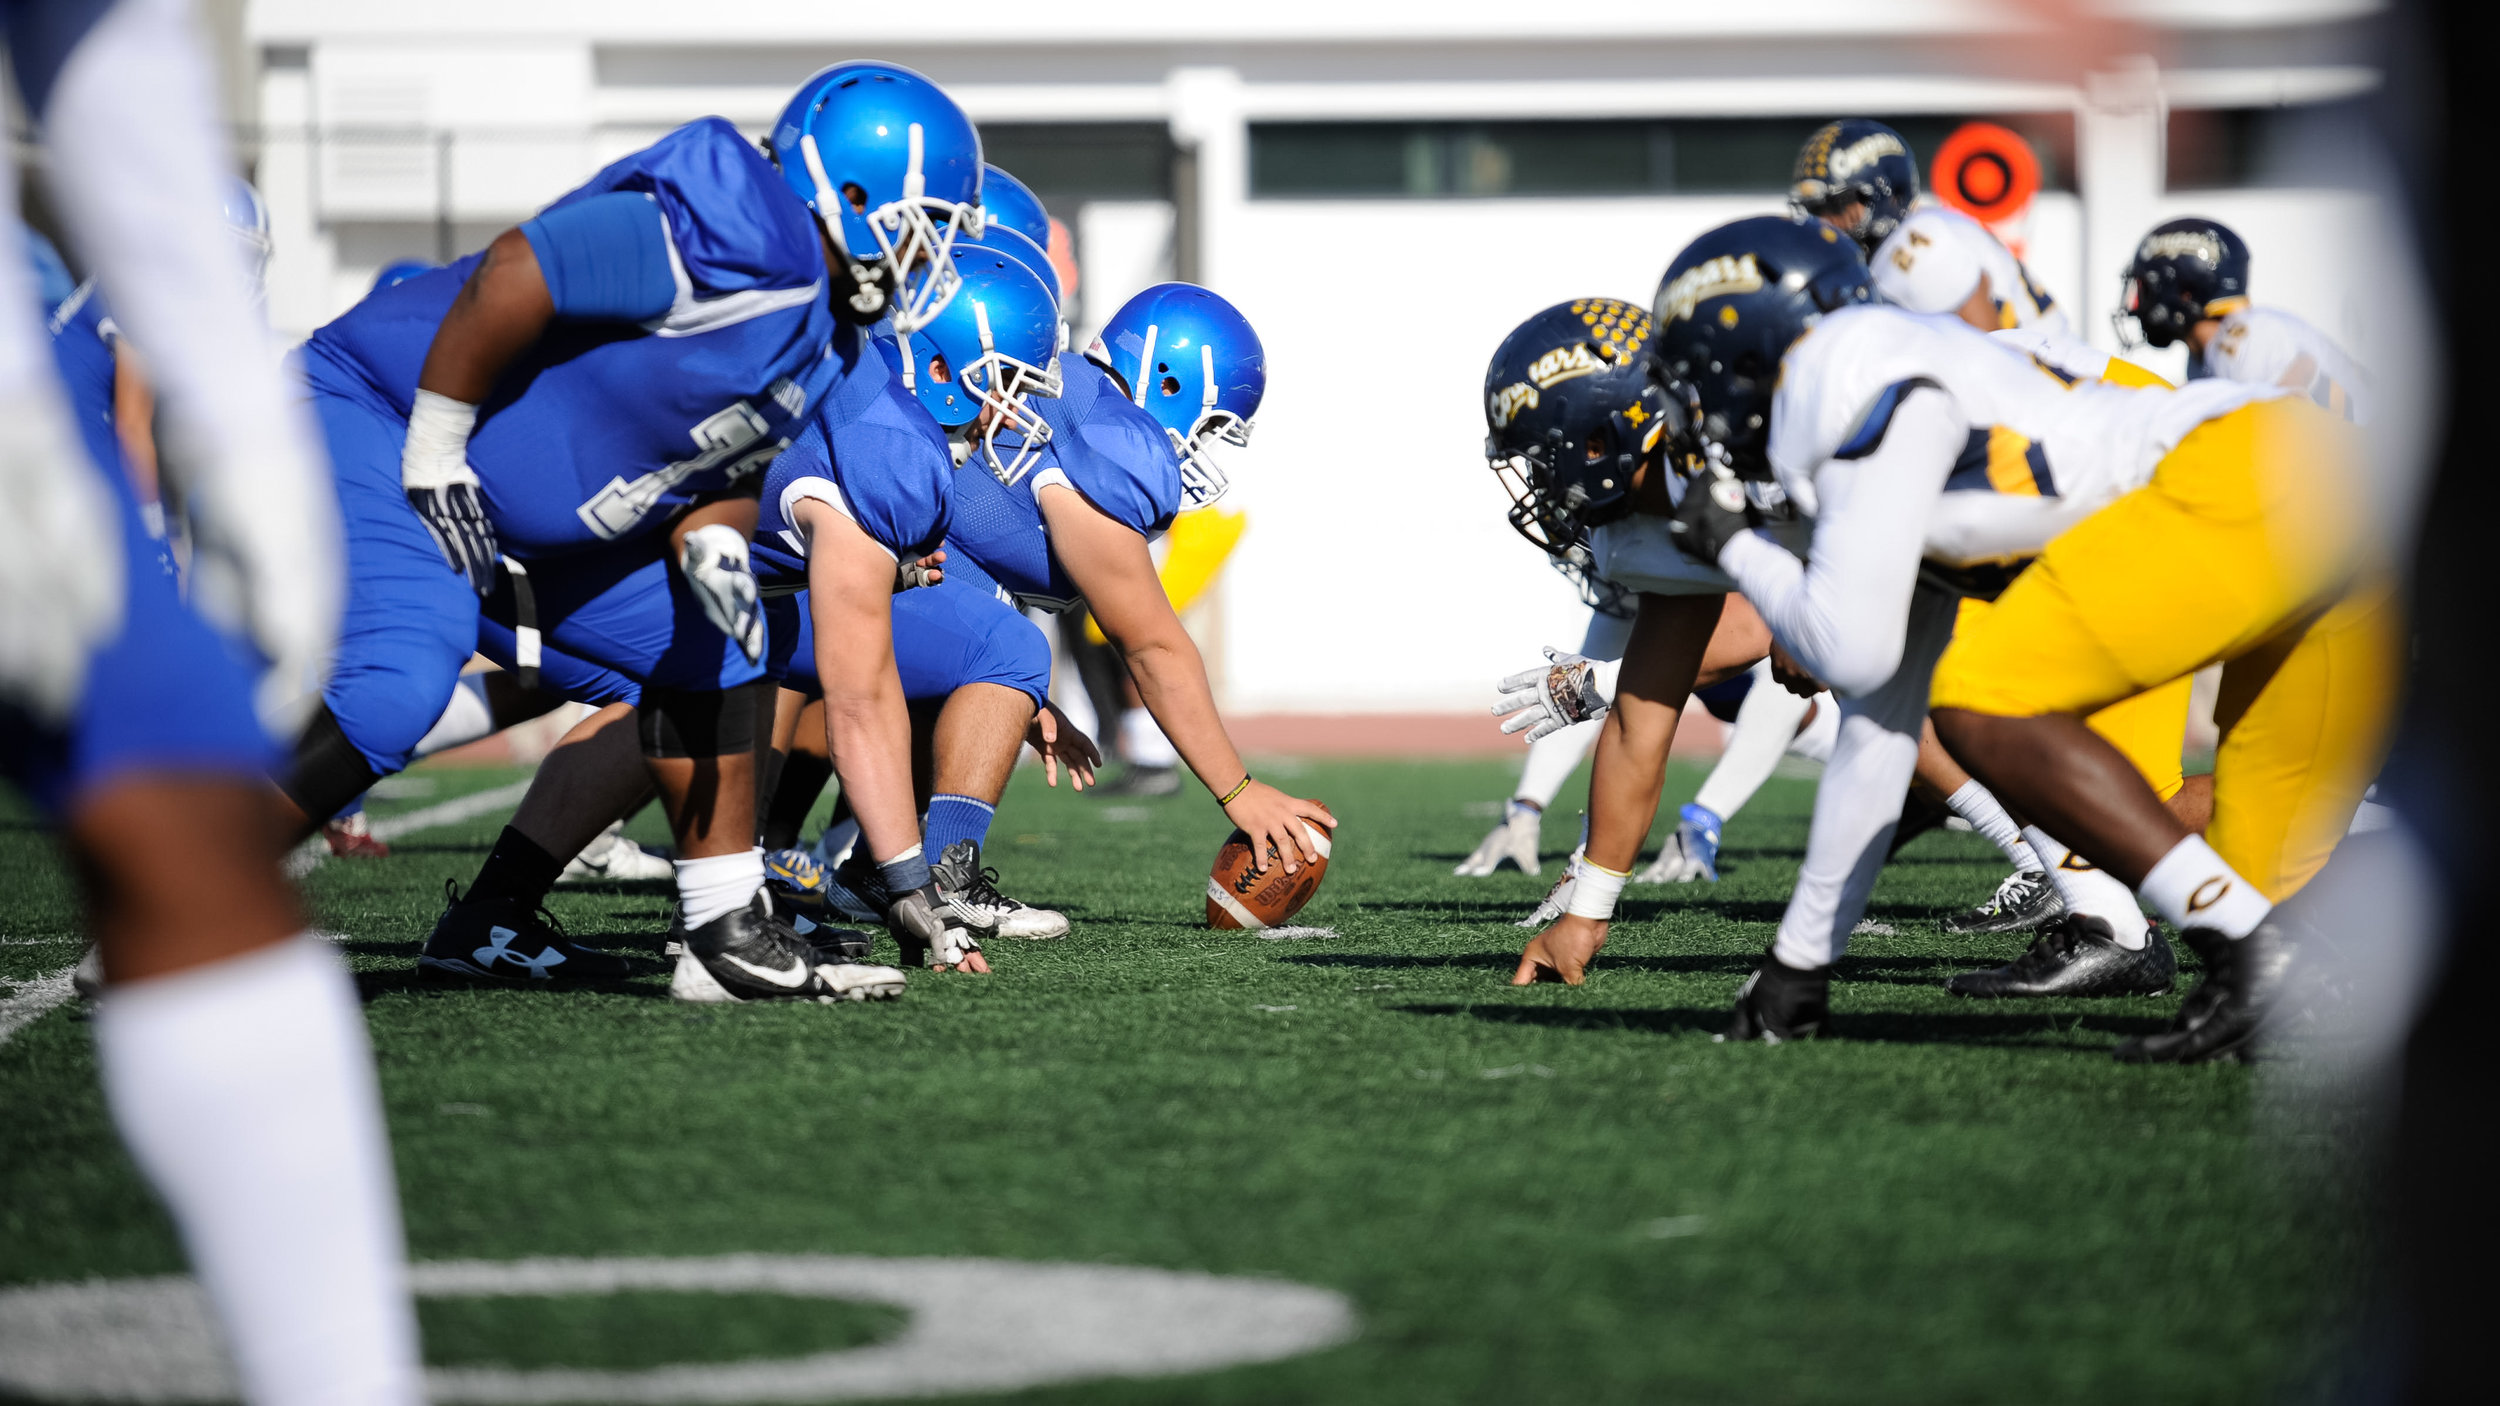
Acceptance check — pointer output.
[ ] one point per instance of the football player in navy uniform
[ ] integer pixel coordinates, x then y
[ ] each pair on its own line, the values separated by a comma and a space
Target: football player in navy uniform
594, 399
1858, 176
2188, 283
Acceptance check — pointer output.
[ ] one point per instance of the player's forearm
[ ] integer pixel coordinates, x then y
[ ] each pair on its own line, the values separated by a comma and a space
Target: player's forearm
1172, 683
501, 312
1659, 661
868, 734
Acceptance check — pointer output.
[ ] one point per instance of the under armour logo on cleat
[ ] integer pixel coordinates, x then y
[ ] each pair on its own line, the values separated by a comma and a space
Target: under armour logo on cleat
498, 948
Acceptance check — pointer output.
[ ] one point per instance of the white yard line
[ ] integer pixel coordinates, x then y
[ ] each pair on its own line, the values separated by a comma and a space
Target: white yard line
309, 855
29, 1000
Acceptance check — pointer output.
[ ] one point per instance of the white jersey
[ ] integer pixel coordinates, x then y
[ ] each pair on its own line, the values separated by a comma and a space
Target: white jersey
2264, 347
1934, 260
2034, 433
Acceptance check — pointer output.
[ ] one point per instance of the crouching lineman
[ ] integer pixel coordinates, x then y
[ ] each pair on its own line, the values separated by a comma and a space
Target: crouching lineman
1935, 463
1062, 508
594, 397
1579, 436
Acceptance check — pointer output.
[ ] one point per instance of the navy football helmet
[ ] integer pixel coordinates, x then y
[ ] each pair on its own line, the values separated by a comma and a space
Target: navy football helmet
1569, 409
1862, 162
2184, 272
1729, 308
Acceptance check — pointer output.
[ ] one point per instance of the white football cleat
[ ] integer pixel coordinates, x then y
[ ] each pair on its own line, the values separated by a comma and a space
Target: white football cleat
613, 859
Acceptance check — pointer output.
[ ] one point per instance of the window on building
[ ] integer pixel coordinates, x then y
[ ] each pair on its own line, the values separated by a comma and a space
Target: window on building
1672, 156
2316, 144
1073, 162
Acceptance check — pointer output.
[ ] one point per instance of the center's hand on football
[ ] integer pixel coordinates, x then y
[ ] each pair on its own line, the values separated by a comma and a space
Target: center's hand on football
1063, 743
1561, 952
716, 564
1540, 701
1715, 509
1275, 824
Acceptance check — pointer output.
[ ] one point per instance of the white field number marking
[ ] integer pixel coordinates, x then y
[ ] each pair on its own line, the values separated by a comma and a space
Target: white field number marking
155, 1339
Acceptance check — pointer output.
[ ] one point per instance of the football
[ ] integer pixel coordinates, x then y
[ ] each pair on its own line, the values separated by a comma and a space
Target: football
1239, 896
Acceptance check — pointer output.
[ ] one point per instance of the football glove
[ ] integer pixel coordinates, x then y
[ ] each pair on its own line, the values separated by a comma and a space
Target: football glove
61, 567
1513, 842
715, 563
434, 472
1715, 509
1565, 691
923, 933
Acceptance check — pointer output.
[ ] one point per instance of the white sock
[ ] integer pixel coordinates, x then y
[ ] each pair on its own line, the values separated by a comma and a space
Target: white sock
1766, 723
466, 718
707, 888
2088, 890
245, 1091
1143, 743
1978, 805
1814, 741
2193, 888
1551, 760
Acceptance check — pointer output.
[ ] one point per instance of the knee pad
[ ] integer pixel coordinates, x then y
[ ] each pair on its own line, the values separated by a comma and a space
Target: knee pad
327, 771
680, 723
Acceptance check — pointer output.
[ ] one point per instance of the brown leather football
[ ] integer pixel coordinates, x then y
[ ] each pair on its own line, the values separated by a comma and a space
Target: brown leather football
1239, 896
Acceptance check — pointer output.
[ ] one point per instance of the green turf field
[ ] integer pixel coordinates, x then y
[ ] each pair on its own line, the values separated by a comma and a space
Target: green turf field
1528, 1195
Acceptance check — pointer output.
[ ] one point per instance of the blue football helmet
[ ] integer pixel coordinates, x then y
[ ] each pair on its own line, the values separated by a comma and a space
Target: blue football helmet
1193, 362
974, 365
1010, 202
1729, 308
1011, 242
892, 167
1861, 162
399, 271
2184, 272
1569, 410
248, 216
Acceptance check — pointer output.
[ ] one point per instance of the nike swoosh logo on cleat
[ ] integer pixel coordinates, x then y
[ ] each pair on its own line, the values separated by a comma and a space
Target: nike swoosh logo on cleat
793, 979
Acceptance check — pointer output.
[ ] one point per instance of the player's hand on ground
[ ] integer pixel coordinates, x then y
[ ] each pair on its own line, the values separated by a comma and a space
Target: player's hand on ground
1790, 675
1274, 822
1514, 839
1562, 952
716, 564
1540, 701
927, 939
1715, 509
1063, 743
919, 571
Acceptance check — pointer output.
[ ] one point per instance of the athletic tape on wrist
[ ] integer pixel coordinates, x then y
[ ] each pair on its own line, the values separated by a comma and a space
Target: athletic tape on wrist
1594, 889
436, 451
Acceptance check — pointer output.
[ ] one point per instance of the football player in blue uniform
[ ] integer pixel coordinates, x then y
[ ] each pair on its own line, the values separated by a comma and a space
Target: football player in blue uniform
1052, 522
593, 398
230, 1040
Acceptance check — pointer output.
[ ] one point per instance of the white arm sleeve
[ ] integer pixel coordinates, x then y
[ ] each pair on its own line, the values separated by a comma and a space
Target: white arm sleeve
1970, 527
138, 184
1843, 612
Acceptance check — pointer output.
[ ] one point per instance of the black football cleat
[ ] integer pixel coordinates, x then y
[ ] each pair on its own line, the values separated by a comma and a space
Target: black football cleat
751, 954
2222, 1017
2076, 956
2025, 902
499, 942
1779, 1003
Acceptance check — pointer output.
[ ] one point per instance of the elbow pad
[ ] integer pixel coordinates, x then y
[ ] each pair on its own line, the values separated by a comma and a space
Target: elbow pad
605, 258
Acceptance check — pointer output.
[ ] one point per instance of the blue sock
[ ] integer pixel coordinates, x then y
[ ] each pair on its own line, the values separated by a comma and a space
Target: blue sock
953, 818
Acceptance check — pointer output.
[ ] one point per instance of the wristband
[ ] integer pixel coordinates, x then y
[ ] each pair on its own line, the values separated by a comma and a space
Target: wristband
905, 873
436, 451
1594, 889
1238, 787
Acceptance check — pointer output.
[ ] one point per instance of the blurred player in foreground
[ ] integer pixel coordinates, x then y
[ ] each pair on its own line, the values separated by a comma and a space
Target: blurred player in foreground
232, 1047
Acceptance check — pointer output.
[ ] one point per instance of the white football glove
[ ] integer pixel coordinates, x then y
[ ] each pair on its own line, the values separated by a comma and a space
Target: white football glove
1556, 898
1675, 864
716, 564
434, 472
1513, 842
1567, 690
60, 558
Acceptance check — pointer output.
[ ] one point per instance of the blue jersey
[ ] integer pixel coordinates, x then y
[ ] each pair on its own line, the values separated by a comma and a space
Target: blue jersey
604, 430
1100, 445
82, 346
885, 460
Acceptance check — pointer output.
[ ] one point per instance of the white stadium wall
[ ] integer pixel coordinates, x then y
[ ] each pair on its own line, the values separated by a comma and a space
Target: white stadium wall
1378, 573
